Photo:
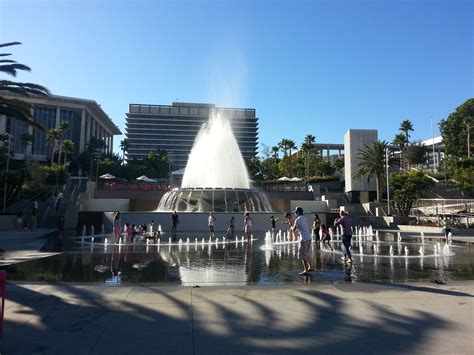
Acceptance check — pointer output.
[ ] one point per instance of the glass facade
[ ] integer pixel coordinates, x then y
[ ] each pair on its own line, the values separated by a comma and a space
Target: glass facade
74, 131
17, 129
47, 117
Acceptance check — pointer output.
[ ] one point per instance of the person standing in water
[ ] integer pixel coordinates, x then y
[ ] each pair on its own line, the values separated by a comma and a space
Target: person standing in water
174, 224
248, 224
301, 225
346, 223
273, 221
316, 227
117, 227
210, 222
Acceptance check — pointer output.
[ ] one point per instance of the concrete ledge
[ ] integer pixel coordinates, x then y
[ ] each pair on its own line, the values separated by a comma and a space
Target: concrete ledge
7, 222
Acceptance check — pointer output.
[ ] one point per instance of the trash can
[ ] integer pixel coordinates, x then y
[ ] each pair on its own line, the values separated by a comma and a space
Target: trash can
3, 286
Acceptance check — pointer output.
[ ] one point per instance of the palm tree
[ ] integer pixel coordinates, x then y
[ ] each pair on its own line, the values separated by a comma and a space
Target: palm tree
308, 148
290, 145
124, 146
63, 127
67, 148
25, 140
406, 126
275, 151
16, 107
283, 145
372, 163
52, 138
400, 141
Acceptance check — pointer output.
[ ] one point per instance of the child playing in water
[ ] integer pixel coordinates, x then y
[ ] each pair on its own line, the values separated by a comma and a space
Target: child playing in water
325, 237
292, 233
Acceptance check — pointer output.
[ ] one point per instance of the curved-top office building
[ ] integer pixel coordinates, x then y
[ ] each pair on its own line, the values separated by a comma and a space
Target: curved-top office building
173, 128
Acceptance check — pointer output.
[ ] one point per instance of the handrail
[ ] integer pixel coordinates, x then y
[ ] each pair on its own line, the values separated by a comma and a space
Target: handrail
23, 204
44, 216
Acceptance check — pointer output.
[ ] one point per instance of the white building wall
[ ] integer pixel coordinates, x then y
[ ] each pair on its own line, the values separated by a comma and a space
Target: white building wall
355, 140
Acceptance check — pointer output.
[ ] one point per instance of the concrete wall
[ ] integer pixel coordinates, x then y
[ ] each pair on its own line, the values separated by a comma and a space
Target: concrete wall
310, 206
128, 194
7, 222
104, 205
354, 141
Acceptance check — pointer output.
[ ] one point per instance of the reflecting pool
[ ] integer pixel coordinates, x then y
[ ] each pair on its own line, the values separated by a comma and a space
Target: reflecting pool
196, 260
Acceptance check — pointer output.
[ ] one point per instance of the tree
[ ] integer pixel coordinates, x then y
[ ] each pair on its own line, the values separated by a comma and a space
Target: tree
323, 168
67, 148
95, 147
339, 166
416, 154
286, 146
372, 164
463, 174
254, 167
275, 151
16, 107
52, 138
63, 127
407, 188
456, 131
307, 147
406, 126
400, 141
25, 140
124, 146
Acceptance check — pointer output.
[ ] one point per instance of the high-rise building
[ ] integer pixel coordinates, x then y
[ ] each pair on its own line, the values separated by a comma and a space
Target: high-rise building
151, 128
86, 119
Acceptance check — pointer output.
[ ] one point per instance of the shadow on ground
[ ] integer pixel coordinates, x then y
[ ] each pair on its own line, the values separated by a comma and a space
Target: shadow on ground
77, 319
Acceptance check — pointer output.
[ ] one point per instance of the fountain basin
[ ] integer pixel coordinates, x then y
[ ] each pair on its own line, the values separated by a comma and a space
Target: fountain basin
214, 199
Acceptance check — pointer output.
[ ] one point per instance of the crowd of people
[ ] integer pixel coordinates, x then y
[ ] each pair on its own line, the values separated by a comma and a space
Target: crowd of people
298, 231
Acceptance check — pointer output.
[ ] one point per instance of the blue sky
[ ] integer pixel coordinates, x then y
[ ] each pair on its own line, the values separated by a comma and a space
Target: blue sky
308, 67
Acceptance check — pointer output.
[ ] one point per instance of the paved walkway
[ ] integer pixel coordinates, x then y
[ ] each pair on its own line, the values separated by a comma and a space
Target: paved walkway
22, 246
351, 318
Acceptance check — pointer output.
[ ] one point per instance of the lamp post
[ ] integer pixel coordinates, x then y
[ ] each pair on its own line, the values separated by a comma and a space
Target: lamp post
386, 173
7, 142
97, 155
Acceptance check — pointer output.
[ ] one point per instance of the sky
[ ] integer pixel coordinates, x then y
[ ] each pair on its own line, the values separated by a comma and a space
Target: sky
307, 67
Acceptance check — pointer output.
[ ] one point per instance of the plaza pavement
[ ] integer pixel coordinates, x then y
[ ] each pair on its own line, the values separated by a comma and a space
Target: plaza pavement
351, 318
22, 245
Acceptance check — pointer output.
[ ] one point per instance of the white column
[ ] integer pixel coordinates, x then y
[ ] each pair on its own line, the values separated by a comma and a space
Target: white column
88, 130
29, 147
82, 140
93, 124
58, 116
111, 143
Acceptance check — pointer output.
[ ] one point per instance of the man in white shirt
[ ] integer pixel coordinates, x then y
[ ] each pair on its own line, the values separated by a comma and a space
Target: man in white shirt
301, 225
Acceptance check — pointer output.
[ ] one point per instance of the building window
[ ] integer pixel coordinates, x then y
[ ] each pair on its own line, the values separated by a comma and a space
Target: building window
47, 117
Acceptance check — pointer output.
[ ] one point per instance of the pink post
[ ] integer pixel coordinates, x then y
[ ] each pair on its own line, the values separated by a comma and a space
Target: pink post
3, 284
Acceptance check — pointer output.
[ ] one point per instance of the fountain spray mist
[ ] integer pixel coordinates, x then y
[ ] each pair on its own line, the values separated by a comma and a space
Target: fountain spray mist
215, 160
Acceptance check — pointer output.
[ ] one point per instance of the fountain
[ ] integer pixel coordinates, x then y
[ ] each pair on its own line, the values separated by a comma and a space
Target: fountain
216, 177
391, 251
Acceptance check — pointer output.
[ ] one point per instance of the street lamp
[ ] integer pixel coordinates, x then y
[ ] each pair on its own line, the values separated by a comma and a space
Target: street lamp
6, 142
97, 155
386, 173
